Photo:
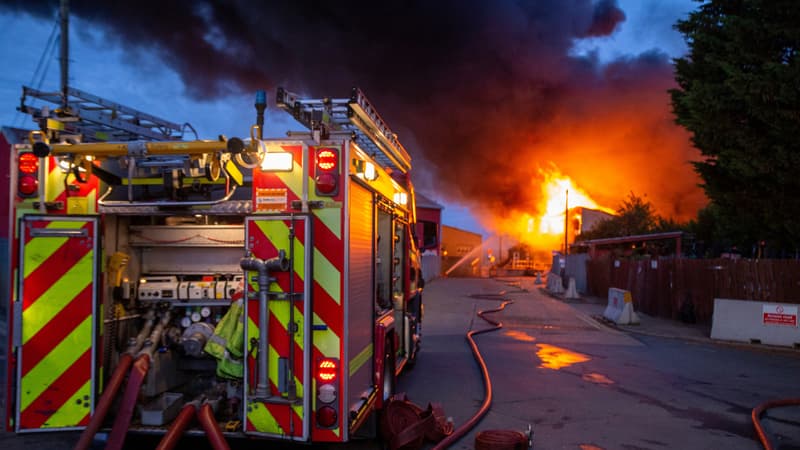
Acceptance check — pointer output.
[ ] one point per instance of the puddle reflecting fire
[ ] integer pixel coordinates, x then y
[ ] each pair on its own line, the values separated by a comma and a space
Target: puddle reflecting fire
520, 336
557, 358
597, 378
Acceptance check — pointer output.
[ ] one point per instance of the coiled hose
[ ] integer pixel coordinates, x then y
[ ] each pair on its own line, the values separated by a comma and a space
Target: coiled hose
459, 432
758, 410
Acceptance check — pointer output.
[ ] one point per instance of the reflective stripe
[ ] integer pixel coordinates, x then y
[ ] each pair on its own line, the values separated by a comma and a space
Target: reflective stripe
327, 275
360, 359
77, 406
58, 296
326, 341
277, 232
332, 218
56, 361
292, 180
216, 339
261, 419
37, 251
54, 186
63, 355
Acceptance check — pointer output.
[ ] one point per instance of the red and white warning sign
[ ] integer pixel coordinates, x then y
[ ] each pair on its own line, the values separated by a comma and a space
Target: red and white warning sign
780, 315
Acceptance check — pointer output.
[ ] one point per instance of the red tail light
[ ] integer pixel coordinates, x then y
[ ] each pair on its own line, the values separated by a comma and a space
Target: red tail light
327, 370
28, 186
28, 175
28, 163
327, 159
326, 172
327, 404
327, 417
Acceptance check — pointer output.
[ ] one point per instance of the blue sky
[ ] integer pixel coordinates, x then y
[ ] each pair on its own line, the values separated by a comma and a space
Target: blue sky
150, 86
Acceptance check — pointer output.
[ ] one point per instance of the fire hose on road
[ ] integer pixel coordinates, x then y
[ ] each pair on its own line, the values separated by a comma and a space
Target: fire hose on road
495, 439
407, 426
760, 409
114, 384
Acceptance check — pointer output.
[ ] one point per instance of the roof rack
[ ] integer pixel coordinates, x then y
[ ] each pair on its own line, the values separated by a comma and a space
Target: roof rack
96, 119
355, 114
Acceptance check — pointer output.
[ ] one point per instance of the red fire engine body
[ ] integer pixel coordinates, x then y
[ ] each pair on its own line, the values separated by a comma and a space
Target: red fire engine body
273, 282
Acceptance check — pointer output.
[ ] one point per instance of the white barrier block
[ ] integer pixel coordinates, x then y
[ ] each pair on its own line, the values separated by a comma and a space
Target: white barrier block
754, 321
620, 307
554, 285
572, 292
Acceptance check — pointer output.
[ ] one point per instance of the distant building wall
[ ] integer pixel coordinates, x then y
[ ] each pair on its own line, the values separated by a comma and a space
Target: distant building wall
429, 224
591, 217
456, 244
431, 266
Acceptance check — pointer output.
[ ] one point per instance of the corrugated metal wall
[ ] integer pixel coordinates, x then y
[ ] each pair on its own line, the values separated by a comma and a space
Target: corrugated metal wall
360, 286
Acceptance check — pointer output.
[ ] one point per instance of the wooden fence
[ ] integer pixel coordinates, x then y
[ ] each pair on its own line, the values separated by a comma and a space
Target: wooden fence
686, 288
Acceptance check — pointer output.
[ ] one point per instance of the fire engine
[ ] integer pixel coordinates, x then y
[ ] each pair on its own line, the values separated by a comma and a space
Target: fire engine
269, 286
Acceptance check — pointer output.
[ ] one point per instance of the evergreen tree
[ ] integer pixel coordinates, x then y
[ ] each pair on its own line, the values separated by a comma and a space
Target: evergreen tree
739, 96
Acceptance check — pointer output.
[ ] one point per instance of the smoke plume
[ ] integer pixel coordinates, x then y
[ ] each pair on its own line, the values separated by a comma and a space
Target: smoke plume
482, 93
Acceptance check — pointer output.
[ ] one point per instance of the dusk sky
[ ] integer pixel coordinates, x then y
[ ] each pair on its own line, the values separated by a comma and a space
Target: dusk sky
557, 65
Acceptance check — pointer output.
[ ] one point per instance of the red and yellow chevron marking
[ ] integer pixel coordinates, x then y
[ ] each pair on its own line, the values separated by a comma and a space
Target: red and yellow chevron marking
266, 237
56, 356
80, 201
328, 288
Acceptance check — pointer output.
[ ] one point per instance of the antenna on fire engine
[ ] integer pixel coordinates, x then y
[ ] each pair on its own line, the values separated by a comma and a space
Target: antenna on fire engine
64, 54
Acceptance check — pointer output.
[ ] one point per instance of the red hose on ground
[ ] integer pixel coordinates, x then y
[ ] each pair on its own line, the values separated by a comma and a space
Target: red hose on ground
104, 404
487, 382
758, 410
170, 440
123, 420
211, 427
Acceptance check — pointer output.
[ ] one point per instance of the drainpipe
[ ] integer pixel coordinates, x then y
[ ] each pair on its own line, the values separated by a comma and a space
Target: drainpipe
251, 263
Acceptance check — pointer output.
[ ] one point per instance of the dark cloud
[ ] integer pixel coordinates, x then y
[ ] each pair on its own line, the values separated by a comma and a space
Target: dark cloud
605, 18
485, 91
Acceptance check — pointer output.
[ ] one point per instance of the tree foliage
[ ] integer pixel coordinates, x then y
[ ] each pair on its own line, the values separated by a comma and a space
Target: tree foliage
739, 96
634, 216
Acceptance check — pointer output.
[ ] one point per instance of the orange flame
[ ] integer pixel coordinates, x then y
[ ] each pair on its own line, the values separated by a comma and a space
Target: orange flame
540, 222
558, 193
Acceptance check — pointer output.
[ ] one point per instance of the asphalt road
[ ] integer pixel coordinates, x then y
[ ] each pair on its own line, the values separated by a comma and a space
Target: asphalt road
580, 385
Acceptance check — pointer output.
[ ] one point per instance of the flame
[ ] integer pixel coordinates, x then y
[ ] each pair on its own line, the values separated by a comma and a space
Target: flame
539, 220
558, 193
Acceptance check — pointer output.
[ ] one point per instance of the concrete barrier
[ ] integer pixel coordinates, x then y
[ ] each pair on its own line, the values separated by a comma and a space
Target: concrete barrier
756, 322
554, 285
620, 307
572, 292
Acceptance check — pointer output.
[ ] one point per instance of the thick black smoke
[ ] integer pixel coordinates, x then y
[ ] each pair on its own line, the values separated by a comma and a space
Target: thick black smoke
482, 92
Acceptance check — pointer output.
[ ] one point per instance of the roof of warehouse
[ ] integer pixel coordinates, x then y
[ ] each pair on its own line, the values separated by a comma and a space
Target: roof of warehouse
426, 202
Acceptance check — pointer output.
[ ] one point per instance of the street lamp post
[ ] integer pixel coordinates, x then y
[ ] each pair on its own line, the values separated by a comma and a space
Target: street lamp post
566, 222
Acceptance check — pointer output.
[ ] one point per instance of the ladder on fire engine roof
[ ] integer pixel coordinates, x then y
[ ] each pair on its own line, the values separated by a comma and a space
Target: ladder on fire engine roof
355, 114
96, 119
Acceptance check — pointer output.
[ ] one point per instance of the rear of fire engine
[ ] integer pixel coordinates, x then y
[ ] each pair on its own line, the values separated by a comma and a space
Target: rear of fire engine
268, 287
